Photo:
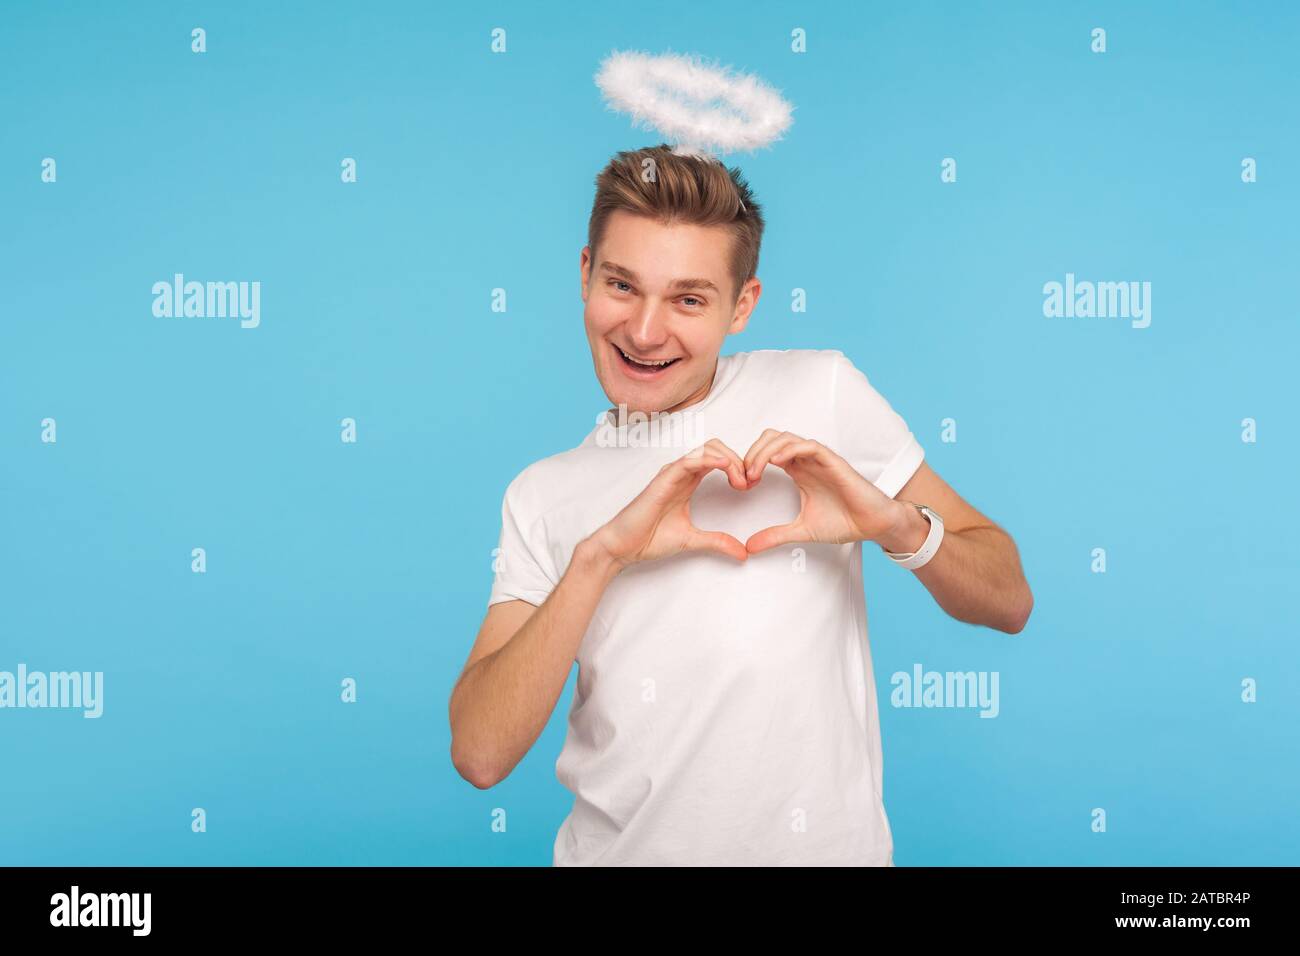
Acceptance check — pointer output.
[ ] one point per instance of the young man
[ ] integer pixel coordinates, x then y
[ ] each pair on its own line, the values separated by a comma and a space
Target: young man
725, 711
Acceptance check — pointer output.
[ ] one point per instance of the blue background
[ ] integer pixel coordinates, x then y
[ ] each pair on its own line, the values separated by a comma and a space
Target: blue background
328, 560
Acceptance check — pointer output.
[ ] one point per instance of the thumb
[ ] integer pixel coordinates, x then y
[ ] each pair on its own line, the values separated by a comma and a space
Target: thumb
720, 542
774, 537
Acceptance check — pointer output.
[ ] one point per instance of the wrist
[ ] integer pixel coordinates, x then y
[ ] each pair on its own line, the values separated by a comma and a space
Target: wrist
909, 531
594, 558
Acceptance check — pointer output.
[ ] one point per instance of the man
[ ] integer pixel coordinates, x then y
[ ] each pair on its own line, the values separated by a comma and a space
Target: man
725, 711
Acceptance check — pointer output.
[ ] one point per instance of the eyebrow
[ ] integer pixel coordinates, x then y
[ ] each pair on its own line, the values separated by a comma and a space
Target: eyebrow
677, 285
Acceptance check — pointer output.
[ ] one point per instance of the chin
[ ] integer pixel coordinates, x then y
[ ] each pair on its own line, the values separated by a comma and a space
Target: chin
638, 400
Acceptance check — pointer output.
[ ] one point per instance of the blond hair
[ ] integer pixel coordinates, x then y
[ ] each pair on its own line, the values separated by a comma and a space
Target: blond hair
670, 187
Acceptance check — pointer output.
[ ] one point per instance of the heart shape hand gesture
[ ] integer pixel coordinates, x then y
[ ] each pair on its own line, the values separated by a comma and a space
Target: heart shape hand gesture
657, 522
837, 504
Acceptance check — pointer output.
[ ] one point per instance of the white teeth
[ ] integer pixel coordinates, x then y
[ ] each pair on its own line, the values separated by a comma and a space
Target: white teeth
646, 364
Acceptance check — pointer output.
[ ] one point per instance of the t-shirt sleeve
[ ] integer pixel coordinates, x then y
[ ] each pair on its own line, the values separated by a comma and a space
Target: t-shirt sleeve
521, 565
871, 436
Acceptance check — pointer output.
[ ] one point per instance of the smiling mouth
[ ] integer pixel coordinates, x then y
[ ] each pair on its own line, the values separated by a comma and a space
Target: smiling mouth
643, 366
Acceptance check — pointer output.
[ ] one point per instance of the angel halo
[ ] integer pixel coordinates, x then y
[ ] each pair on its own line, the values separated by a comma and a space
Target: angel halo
675, 94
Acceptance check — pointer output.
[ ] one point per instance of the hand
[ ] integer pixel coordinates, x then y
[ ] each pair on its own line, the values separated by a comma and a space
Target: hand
837, 504
657, 522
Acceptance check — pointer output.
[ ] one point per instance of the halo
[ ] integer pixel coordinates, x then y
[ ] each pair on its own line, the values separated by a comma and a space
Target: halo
674, 94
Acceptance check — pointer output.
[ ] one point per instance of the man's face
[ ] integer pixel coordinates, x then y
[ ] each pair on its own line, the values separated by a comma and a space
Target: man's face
659, 303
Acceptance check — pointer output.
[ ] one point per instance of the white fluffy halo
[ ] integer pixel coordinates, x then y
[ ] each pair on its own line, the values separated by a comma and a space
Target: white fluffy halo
676, 95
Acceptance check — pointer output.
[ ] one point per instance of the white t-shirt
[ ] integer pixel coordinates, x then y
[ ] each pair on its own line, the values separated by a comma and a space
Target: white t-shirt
725, 712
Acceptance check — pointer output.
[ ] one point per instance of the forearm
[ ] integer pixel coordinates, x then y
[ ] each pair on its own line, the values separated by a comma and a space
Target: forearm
975, 576
502, 703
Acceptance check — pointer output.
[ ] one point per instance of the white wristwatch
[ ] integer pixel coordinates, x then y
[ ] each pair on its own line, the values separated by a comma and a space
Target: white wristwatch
921, 555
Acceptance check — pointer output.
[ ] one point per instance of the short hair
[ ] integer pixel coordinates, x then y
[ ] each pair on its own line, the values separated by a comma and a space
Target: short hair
681, 187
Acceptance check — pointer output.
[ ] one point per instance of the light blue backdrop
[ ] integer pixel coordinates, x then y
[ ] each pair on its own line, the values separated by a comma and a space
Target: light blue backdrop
373, 560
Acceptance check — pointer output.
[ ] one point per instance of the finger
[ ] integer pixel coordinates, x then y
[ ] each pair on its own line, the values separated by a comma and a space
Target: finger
695, 464
763, 440
700, 459
688, 472
774, 537
736, 468
719, 542
806, 449
765, 453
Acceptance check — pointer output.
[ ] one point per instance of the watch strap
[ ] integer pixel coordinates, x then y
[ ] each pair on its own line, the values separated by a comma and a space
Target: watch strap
915, 559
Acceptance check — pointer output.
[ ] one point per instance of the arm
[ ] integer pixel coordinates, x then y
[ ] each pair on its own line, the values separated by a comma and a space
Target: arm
979, 580
975, 576
522, 655
517, 669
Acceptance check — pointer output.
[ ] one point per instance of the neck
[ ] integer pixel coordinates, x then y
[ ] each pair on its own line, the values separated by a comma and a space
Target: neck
699, 394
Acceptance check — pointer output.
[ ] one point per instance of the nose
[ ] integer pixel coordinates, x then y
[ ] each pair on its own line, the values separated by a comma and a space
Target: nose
648, 331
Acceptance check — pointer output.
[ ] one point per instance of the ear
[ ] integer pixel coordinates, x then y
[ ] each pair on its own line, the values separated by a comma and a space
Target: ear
745, 304
584, 270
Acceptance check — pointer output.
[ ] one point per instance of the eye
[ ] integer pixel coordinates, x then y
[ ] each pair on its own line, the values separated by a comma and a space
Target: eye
697, 299
617, 282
